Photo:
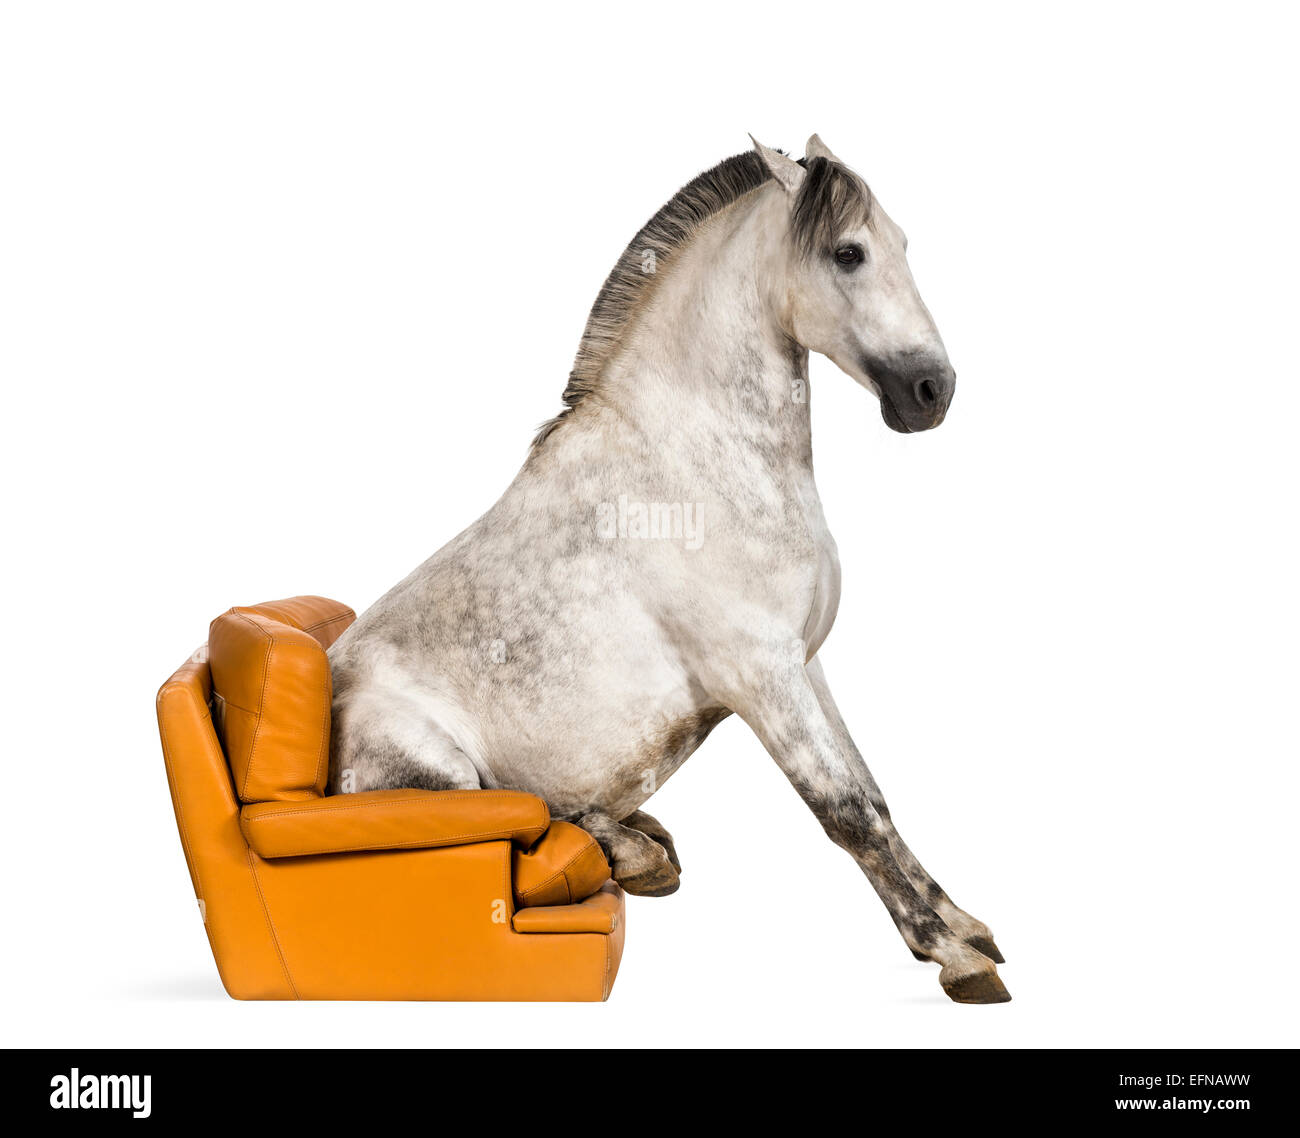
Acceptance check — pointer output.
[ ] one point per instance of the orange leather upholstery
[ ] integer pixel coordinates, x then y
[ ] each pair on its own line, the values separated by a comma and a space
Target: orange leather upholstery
565, 866
396, 819
322, 618
271, 705
599, 913
381, 895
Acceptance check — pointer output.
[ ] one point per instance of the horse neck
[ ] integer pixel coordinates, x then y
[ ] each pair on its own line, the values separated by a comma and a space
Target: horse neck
707, 355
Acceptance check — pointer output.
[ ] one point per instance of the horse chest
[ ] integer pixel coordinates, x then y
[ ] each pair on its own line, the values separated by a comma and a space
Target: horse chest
815, 561
826, 598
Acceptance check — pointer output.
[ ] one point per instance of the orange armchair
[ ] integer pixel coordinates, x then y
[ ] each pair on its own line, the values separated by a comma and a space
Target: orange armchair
380, 895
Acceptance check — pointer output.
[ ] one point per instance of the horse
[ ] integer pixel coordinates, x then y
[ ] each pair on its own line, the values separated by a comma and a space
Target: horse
661, 560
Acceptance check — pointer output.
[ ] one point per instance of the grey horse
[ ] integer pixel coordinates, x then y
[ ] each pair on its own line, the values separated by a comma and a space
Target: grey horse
661, 560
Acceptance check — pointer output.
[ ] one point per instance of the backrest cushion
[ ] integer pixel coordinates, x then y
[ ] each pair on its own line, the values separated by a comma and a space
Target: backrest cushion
271, 695
323, 618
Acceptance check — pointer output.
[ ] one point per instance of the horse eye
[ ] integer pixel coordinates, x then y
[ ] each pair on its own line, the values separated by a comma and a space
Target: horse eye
849, 255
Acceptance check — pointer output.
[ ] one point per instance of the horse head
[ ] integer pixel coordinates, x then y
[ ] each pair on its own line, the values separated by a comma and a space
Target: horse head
841, 270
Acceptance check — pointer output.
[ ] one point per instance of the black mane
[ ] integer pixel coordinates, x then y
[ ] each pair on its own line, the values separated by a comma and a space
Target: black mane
831, 197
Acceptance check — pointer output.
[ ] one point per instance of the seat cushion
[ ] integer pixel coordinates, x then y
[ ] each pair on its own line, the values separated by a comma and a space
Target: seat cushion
564, 867
271, 695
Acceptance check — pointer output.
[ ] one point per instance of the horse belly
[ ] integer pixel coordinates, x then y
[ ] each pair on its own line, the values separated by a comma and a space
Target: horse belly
657, 756
607, 755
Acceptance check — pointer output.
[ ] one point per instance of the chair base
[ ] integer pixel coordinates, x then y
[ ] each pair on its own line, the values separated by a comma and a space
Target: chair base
428, 924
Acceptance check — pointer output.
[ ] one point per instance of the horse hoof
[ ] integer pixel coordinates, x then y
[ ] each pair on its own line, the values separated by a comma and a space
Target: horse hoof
978, 988
669, 852
659, 883
985, 945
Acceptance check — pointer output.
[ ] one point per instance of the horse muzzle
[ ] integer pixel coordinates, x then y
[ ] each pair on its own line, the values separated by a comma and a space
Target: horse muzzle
915, 390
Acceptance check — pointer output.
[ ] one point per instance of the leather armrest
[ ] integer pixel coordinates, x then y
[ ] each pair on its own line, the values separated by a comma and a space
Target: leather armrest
597, 914
566, 865
393, 819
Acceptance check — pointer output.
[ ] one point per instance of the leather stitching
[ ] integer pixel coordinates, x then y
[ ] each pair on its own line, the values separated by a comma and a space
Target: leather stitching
507, 894
329, 620
261, 703
443, 796
227, 702
317, 782
608, 920
506, 833
270, 924
561, 872
417, 843
272, 643
186, 844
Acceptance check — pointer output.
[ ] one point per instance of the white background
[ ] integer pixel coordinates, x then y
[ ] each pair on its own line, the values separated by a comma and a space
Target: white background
286, 289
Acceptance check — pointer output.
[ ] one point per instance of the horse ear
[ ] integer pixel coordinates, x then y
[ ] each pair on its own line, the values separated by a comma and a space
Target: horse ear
816, 148
788, 173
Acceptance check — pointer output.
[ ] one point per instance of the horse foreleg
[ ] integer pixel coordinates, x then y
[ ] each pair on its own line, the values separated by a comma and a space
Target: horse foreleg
973, 932
781, 705
639, 863
651, 827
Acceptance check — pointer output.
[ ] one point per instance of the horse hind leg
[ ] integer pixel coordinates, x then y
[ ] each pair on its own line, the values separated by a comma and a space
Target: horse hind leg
652, 828
639, 863
390, 748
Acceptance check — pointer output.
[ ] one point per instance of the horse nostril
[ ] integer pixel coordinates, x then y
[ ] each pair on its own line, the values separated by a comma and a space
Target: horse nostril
926, 393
